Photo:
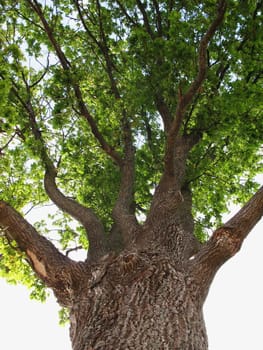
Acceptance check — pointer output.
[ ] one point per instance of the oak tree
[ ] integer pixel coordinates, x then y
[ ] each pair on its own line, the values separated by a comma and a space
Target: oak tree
141, 120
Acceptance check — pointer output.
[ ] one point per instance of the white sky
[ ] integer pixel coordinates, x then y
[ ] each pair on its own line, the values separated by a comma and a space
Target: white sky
233, 311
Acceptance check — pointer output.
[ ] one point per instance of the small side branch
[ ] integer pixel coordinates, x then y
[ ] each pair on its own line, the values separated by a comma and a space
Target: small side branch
126, 13
158, 17
7, 143
36, 7
101, 43
94, 128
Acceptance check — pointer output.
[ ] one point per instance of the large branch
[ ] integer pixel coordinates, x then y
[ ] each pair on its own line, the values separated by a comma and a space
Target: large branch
184, 100
86, 216
123, 211
123, 214
247, 217
76, 88
91, 223
50, 265
225, 242
168, 193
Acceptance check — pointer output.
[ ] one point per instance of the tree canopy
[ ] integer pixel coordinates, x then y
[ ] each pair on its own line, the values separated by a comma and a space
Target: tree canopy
96, 95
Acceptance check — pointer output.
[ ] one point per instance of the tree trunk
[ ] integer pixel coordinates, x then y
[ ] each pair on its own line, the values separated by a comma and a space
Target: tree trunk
137, 300
148, 296
143, 285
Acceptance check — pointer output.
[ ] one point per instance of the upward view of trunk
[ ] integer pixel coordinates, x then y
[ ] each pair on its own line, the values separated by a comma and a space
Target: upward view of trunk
146, 276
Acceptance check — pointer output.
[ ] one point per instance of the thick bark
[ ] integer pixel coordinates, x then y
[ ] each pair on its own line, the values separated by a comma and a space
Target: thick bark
137, 300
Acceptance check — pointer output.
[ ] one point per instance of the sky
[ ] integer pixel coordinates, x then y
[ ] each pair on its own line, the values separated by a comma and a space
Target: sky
233, 310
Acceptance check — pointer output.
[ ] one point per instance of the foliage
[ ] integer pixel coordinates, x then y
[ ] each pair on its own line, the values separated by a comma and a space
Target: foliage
127, 56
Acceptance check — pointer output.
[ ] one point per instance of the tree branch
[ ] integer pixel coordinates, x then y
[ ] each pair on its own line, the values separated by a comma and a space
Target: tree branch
61, 56
94, 128
167, 196
78, 94
126, 14
164, 111
158, 17
86, 216
147, 26
247, 217
184, 100
106, 53
50, 265
8, 142
124, 209
91, 223
102, 45
225, 242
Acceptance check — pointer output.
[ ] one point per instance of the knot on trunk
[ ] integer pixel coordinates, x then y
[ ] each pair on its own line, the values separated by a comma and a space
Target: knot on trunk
129, 262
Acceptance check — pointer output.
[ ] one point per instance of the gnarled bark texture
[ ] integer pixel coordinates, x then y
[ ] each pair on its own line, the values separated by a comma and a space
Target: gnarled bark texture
138, 301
